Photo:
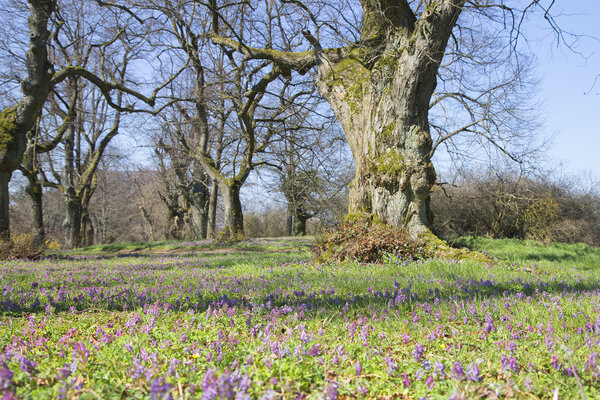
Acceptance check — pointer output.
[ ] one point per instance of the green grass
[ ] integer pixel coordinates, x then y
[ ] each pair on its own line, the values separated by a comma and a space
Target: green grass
180, 322
527, 252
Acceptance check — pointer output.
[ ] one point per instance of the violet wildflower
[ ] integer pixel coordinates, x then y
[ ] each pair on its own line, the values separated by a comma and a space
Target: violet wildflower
358, 368
509, 363
458, 371
556, 363
429, 382
159, 389
473, 372
391, 365
439, 368
592, 364
418, 353
6, 376
27, 366
331, 391
406, 380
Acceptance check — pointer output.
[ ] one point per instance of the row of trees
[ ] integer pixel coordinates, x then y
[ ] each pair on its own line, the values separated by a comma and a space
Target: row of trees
228, 88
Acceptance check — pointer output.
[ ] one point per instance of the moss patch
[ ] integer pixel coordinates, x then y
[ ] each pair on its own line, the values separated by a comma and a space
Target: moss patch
436, 246
390, 163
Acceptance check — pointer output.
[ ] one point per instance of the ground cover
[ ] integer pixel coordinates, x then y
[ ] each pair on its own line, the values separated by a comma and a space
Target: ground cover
263, 323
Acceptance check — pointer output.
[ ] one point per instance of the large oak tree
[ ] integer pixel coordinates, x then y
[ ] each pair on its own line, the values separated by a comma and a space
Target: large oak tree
380, 86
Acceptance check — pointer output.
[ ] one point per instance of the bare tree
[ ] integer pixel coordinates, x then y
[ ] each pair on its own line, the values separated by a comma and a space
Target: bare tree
39, 81
380, 80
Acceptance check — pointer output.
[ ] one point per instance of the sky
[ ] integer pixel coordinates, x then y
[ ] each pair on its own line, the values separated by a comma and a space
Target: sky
569, 89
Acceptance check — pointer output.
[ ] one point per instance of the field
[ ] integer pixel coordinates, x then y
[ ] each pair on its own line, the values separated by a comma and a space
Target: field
260, 320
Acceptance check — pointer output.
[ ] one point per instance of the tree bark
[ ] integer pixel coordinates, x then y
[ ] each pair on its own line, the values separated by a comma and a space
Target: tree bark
234, 219
4, 205
72, 223
299, 226
212, 210
381, 99
34, 190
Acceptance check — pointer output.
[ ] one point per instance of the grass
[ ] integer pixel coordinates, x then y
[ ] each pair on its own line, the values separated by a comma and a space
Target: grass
552, 256
257, 320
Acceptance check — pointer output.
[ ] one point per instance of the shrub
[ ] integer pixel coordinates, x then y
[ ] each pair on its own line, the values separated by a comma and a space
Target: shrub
21, 246
363, 240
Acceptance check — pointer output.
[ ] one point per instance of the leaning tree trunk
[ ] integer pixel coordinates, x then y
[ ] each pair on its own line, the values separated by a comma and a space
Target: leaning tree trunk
234, 218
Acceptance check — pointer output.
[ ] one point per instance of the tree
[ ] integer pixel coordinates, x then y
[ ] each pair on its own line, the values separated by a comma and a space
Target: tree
380, 86
249, 91
39, 81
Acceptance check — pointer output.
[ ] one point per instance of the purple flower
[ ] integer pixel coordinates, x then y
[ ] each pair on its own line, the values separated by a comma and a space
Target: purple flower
458, 371
358, 368
159, 389
592, 364
429, 381
6, 376
406, 380
391, 365
331, 391
315, 350
509, 363
418, 353
439, 368
556, 363
473, 372
27, 366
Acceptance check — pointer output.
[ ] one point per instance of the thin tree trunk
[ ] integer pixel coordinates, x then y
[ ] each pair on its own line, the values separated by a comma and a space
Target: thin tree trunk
212, 211
289, 229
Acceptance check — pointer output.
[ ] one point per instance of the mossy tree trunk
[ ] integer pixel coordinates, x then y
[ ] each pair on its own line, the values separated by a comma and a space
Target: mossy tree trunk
233, 216
380, 90
381, 97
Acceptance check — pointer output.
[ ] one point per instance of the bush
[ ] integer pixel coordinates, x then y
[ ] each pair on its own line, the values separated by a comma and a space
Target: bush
22, 246
362, 240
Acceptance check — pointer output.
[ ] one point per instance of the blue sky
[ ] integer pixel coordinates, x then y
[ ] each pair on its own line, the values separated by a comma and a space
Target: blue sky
570, 101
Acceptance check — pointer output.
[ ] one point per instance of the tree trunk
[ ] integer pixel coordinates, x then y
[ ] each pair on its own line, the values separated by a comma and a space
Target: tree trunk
234, 219
387, 128
87, 228
199, 209
72, 223
4, 204
212, 211
34, 190
289, 229
299, 226
382, 99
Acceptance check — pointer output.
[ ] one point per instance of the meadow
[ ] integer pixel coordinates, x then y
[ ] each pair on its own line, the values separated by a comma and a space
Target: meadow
261, 320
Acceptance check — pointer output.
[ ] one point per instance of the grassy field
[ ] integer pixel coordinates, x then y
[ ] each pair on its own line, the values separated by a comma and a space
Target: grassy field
260, 320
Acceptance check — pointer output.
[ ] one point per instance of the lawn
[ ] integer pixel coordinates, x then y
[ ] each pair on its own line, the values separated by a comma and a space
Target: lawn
260, 320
